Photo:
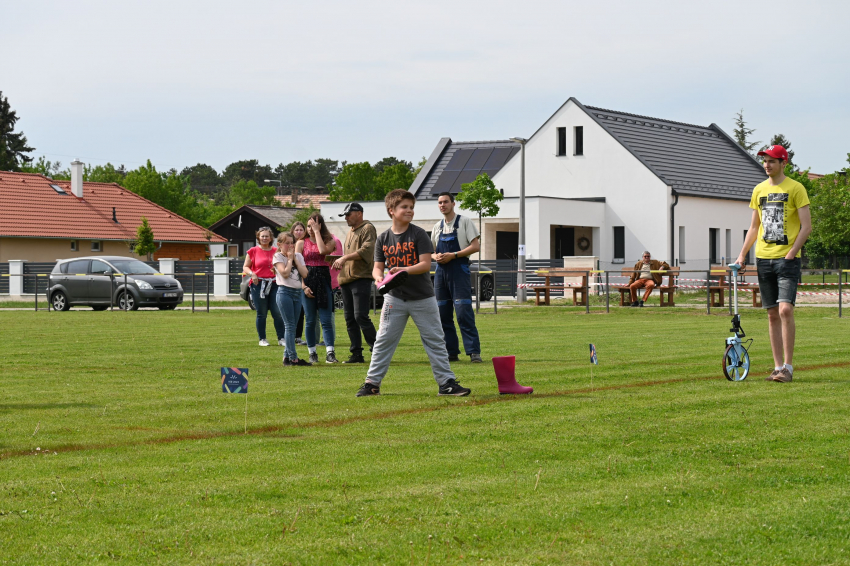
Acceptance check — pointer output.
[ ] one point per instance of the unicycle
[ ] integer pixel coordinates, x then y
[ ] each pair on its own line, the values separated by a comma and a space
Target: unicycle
736, 360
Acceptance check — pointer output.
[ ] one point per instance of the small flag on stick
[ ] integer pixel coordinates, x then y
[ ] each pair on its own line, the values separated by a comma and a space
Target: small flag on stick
593, 359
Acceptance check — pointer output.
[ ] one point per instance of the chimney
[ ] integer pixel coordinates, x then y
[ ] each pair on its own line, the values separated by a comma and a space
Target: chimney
77, 178
295, 196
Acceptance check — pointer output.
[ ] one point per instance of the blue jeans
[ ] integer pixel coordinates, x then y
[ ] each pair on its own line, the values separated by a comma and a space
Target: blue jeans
289, 305
264, 306
454, 294
325, 313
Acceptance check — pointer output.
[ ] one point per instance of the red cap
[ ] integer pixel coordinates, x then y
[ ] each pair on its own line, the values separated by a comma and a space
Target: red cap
775, 151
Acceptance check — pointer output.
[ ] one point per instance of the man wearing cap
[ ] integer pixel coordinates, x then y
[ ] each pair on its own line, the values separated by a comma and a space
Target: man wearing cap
455, 238
782, 223
355, 280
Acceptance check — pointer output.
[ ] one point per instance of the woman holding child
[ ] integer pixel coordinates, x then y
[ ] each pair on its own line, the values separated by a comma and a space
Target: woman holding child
318, 295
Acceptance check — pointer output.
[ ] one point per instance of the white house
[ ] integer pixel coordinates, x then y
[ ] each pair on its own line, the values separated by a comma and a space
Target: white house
603, 183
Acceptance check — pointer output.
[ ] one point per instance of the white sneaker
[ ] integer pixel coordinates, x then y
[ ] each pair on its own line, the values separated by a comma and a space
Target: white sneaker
264, 342
281, 342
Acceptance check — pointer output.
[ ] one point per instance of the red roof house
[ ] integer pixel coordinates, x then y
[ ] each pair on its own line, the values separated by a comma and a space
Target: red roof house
44, 220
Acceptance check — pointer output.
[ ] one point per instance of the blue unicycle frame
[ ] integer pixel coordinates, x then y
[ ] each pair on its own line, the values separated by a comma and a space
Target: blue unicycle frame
736, 359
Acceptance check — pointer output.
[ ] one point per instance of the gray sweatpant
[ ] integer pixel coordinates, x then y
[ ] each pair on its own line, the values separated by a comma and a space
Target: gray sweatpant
394, 317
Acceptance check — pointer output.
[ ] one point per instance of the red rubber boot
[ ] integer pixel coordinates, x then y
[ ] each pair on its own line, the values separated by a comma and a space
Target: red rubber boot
505, 367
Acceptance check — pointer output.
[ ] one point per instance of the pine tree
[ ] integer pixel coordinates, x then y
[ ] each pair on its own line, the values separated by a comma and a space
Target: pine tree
779, 139
742, 133
144, 239
13, 146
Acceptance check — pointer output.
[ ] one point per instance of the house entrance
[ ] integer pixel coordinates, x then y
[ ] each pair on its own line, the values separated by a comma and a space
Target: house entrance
565, 242
507, 245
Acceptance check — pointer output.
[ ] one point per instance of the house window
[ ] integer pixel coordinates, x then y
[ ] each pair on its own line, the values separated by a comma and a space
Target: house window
579, 140
95, 246
749, 251
713, 245
619, 244
73, 245
729, 247
562, 141
681, 244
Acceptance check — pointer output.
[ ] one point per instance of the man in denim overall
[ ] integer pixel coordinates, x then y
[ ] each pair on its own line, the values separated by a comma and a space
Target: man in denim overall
455, 238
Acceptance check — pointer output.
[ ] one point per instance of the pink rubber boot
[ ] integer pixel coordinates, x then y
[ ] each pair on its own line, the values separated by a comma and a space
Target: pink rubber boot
505, 367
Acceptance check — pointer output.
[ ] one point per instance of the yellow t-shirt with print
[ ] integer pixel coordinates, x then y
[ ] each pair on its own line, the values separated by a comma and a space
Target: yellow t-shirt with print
780, 221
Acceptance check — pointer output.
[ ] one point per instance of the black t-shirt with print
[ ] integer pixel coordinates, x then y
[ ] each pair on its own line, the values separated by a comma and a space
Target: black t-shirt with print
403, 250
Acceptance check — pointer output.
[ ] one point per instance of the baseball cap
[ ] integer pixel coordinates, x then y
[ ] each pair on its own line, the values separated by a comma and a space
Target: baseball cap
775, 151
352, 207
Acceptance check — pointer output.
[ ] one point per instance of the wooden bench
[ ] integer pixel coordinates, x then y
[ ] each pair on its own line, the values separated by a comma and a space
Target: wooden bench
578, 290
717, 291
726, 285
664, 290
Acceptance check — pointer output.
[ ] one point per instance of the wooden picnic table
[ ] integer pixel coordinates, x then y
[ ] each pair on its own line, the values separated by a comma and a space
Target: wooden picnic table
547, 274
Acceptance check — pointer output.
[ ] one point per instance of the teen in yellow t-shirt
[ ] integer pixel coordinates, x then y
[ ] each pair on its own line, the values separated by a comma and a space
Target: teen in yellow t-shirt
781, 222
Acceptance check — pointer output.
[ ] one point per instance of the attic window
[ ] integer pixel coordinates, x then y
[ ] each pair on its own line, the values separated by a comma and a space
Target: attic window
58, 189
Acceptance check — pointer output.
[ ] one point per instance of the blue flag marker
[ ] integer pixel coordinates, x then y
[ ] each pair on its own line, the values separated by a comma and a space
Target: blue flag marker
234, 380
593, 359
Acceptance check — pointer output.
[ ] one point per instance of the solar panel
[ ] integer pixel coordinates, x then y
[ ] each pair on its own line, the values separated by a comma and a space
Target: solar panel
58, 189
459, 159
498, 158
464, 177
478, 159
444, 182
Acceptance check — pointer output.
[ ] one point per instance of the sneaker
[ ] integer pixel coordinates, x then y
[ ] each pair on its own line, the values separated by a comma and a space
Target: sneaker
331, 358
314, 358
634, 304
368, 389
281, 342
773, 374
264, 342
355, 359
299, 362
783, 376
475, 358
300, 342
287, 362
641, 304
452, 387
453, 358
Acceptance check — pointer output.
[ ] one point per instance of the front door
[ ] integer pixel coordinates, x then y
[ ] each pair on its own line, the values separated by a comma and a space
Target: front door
100, 283
507, 245
565, 242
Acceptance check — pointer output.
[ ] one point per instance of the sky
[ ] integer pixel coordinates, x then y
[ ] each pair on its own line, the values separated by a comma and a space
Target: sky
184, 82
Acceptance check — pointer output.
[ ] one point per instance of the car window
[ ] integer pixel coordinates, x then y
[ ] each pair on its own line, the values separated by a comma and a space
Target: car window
133, 266
60, 268
78, 266
98, 267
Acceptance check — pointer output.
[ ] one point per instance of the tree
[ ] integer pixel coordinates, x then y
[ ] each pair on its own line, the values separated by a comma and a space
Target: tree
46, 167
419, 166
742, 133
356, 181
106, 174
398, 176
829, 199
202, 176
247, 192
169, 191
779, 139
144, 239
480, 196
390, 162
303, 215
13, 146
247, 170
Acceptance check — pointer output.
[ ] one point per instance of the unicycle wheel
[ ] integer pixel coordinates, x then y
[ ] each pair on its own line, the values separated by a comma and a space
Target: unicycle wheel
736, 365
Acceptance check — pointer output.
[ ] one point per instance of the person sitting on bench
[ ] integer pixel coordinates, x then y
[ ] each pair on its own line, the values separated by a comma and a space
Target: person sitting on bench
643, 278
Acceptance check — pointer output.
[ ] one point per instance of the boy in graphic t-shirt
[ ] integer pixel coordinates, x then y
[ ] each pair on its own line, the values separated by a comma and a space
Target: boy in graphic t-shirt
406, 247
781, 222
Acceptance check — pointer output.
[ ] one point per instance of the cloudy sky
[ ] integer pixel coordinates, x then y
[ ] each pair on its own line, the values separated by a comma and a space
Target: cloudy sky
182, 82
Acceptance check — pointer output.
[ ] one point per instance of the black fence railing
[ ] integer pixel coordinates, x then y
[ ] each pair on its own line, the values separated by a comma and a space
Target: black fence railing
37, 268
4, 281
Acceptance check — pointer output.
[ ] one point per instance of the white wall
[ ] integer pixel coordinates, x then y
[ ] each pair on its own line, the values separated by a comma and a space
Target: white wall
635, 197
697, 215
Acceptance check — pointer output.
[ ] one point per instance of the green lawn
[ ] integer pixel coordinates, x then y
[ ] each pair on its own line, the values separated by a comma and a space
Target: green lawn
118, 446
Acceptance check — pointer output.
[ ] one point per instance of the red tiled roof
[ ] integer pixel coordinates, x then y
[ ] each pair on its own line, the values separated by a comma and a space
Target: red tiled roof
304, 200
29, 207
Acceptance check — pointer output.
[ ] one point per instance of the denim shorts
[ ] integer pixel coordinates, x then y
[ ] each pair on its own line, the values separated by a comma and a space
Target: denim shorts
778, 281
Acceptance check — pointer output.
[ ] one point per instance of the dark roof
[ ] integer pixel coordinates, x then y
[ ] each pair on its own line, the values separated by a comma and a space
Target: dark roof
454, 163
694, 160
273, 215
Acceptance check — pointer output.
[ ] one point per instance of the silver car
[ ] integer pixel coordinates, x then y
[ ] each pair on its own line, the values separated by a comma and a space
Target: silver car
99, 282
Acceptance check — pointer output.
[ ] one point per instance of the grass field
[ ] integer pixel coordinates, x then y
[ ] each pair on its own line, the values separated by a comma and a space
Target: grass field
118, 446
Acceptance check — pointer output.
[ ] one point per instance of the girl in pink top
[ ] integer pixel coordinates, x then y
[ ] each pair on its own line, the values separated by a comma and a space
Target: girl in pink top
258, 264
318, 294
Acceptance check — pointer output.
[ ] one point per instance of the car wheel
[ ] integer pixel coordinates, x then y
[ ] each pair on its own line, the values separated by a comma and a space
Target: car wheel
99, 308
486, 290
167, 307
338, 304
126, 301
60, 301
